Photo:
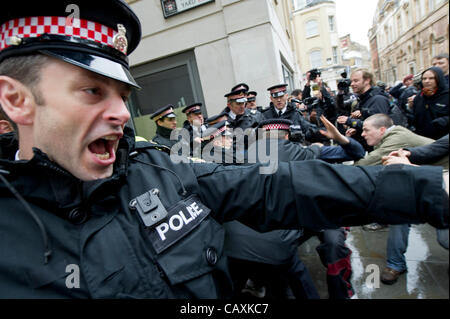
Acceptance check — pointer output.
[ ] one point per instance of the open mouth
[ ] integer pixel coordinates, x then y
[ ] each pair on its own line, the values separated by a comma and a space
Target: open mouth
104, 148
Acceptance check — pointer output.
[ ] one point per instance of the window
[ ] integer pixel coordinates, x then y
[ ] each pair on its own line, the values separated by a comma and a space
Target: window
331, 23
335, 55
315, 59
412, 67
408, 19
312, 28
430, 6
173, 80
399, 25
418, 10
287, 75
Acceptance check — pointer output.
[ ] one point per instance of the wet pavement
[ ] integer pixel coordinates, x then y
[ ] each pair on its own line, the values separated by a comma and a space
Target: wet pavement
427, 262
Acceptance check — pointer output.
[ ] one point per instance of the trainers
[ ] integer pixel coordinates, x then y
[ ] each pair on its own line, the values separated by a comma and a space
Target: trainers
389, 276
374, 227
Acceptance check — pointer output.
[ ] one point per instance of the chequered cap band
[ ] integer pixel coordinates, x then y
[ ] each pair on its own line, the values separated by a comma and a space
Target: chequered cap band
166, 112
36, 26
269, 127
219, 131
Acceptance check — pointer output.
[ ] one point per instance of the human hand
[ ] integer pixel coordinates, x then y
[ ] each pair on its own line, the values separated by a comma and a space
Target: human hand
389, 160
350, 132
356, 114
342, 119
411, 101
332, 132
400, 153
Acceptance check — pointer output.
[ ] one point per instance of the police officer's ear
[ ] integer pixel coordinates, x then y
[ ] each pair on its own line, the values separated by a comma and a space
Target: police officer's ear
17, 101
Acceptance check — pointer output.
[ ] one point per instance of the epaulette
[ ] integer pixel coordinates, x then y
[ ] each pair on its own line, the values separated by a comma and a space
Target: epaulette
265, 110
152, 145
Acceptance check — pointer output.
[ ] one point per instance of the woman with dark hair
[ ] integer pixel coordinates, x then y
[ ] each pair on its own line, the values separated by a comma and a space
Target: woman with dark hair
431, 105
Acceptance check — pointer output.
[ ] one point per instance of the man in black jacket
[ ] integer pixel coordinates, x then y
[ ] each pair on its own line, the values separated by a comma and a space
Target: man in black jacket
86, 212
372, 100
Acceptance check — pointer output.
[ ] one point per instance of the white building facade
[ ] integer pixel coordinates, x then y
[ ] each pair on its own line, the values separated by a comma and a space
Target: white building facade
199, 54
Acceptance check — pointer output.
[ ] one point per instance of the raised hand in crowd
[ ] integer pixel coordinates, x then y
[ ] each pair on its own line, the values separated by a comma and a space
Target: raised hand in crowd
332, 132
356, 114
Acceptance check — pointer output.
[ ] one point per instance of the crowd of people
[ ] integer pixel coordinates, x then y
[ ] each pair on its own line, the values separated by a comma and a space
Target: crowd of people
366, 119
89, 210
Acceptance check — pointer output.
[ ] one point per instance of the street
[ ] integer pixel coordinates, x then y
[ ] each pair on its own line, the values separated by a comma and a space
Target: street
427, 261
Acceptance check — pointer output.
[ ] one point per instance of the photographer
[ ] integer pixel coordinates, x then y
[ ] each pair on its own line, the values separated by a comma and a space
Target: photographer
346, 102
318, 99
372, 100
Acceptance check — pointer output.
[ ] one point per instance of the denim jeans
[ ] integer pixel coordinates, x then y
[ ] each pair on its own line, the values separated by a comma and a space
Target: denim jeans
396, 246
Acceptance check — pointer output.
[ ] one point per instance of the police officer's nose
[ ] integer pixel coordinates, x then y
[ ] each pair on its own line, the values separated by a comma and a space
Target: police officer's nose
117, 111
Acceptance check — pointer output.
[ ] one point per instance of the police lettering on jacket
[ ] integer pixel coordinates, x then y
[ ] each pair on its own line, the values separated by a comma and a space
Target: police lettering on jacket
181, 220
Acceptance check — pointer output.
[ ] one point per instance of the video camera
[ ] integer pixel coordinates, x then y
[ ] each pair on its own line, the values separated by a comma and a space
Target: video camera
344, 83
296, 134
311, 102
313, 74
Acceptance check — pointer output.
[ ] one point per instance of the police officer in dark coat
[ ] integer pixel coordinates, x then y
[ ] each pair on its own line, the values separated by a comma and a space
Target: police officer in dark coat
217, 144
333, 252
166, 122
281, 108
270, 259
238, 115
251, 105
86, 212
195, 127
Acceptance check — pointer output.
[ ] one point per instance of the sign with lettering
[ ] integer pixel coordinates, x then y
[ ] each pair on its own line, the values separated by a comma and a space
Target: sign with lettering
183, 218
172, 7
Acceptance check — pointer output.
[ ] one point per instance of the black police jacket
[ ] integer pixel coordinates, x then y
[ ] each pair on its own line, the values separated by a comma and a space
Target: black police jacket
162, 137
95, 243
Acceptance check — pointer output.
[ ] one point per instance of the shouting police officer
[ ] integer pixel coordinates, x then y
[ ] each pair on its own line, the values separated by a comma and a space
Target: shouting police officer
76, 191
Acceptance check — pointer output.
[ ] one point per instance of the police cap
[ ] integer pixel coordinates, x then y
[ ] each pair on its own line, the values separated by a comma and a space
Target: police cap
253, 97
279, 92
166, 111
240, 92
220, 128
216, 118
94, 35
240, 86
275, 124
195, 108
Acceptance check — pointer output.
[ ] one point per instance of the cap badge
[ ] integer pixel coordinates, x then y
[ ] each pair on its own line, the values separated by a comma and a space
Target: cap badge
120, 40
14, 40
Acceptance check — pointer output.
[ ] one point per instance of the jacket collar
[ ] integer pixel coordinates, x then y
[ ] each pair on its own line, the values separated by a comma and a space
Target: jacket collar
164, 132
